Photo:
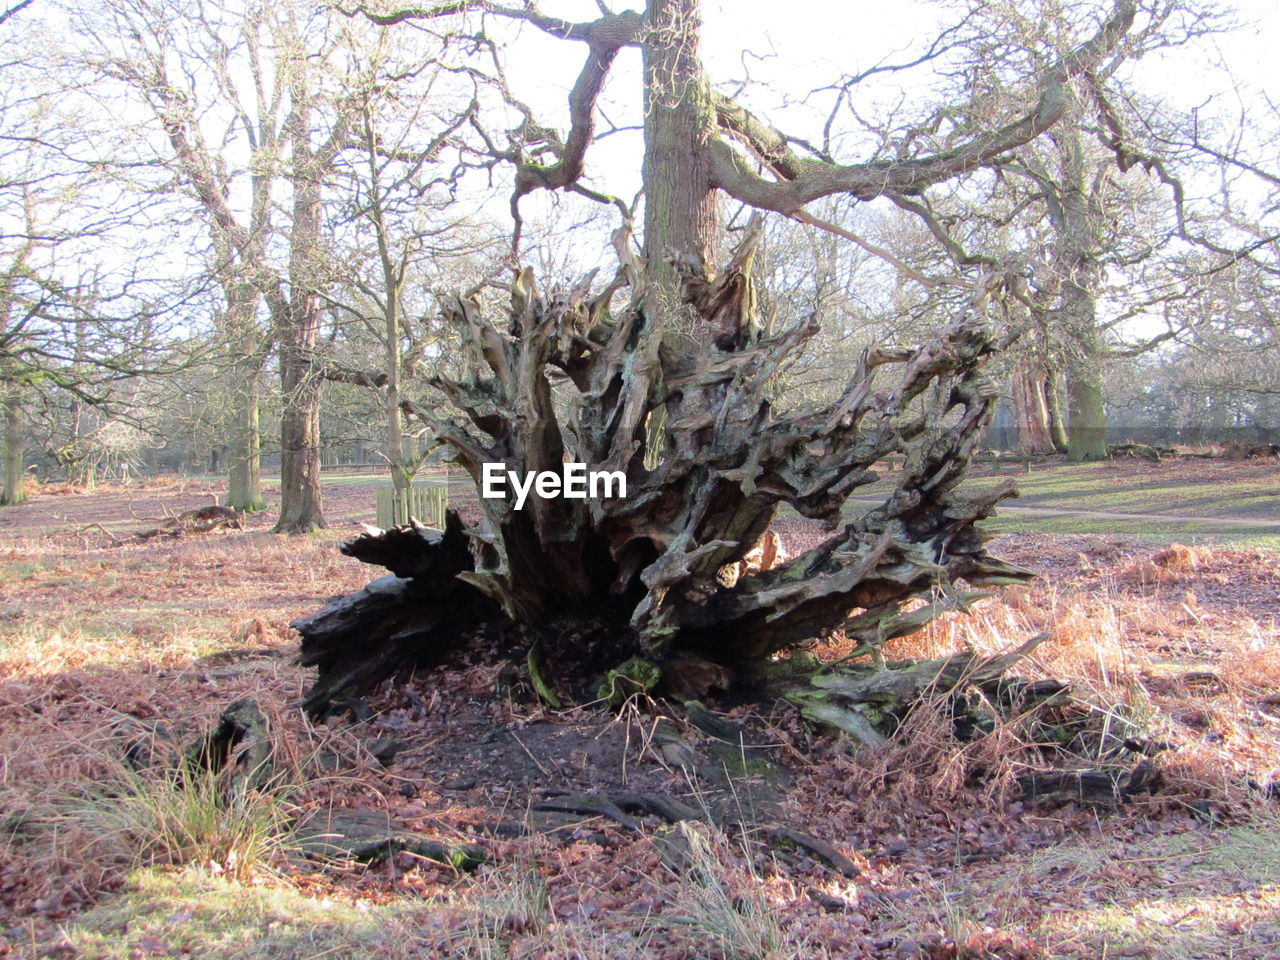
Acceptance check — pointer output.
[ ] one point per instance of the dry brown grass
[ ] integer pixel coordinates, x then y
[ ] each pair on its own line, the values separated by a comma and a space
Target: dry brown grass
1183, 672
1169, 648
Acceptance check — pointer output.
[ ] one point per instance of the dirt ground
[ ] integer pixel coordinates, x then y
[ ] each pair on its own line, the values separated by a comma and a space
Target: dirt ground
1175, 646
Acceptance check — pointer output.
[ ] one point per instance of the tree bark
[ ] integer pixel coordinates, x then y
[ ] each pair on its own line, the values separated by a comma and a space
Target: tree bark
1057, 420
1087, 410
393, 277
14, 491
244, 339
1075, 251
244, 487
301, 499
1030, 401
680, 205
246, 345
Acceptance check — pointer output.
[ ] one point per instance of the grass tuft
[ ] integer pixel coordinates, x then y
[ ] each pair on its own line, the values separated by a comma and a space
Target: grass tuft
722, 903
163, 817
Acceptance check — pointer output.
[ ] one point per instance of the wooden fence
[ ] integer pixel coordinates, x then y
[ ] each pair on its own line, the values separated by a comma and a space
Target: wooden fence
424, 500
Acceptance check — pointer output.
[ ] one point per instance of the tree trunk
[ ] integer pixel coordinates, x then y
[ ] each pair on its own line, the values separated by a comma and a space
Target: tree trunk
1030, 401
244, 487
301, 500
301, 505
680, 205
245, 349
393, 277
1088, 415
1075, 248
14, 491
401, 475
1057, 421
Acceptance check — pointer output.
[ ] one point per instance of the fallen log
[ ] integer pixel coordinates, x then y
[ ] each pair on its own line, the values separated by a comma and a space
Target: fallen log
1107, 787
1142, 451
406, 621
200, 520
370, 836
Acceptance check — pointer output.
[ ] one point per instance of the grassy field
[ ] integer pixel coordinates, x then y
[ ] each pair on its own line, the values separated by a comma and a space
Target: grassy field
1175, 646
1192, 502
1204, 502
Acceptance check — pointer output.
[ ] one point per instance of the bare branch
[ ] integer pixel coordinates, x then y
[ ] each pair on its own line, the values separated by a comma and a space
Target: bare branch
360, 378
813, 179
612, 29
905, 269
15, 9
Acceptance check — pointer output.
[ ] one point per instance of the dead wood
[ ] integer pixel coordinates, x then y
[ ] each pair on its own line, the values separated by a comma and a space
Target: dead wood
241, 736
1108, 786
1143, 451
869, 702
369, 836
616, 805
562, 377
408, 620
200, 520
819, 848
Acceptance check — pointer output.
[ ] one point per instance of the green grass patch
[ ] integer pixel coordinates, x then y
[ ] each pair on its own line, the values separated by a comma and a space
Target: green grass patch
192, 913
1196, 907
1152, 531
1099, 486
1207, 503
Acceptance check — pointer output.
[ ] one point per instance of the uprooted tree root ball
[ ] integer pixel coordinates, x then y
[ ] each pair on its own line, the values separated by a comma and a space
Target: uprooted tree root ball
643, 580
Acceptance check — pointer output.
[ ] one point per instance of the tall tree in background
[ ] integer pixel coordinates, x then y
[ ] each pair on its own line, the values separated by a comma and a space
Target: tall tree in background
292, 121
396, 184
297, 320
1085, 220
191, 73
1113, 208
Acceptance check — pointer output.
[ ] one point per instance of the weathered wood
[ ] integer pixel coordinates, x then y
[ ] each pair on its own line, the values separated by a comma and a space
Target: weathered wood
564, 378
1103, 786
396, 624
869, 702
241, 726
1144, 451
200, 520
370, 836
819, 848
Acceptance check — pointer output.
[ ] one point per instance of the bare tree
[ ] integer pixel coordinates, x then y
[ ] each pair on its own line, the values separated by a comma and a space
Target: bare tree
275, 73
396, 185
82, 308
171, 64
